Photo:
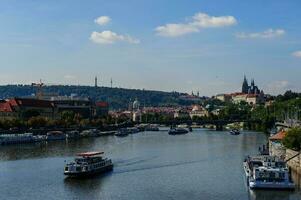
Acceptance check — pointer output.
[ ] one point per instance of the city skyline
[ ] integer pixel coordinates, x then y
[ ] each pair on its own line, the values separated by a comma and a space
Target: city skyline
186, 46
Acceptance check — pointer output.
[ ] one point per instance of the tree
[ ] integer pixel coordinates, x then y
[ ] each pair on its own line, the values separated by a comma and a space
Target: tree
30, 113
292, 140
37, 122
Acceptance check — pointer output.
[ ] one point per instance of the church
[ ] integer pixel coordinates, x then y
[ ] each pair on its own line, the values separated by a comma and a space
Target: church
252, 89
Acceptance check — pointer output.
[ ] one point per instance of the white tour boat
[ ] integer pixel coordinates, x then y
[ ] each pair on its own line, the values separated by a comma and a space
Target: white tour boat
267, 172
88, 164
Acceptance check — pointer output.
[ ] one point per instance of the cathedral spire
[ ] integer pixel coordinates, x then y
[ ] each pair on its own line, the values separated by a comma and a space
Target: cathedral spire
245, 85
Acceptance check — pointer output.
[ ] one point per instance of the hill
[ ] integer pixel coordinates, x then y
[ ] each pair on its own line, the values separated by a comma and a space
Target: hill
118, 98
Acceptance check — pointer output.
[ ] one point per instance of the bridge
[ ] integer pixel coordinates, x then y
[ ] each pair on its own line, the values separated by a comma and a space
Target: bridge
219, 124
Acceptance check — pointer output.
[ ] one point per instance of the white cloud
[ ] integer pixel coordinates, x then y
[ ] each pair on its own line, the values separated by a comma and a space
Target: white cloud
109, 37
102, 20
203, 20
174, 30
270, 33
297, 54
197, 22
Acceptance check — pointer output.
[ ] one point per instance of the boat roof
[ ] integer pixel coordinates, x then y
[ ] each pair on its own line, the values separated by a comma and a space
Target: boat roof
89, 154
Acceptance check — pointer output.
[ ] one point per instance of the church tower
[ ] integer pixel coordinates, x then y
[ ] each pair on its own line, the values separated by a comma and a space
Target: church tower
245, 86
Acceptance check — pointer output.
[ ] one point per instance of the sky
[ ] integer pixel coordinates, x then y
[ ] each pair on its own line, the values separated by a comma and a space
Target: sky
169, 45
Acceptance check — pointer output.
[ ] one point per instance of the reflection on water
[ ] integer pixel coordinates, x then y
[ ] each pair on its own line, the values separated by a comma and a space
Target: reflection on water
151, 165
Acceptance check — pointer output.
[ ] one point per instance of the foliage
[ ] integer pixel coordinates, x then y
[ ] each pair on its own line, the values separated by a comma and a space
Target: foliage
292, 140
37, 122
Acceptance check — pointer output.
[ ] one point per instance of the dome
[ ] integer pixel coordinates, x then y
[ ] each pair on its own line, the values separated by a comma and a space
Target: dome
136, 104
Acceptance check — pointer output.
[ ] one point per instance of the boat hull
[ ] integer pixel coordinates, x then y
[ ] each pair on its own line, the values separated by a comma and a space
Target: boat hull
89, 173
257, 185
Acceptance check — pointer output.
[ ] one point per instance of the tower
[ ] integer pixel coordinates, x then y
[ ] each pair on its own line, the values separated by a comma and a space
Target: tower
245, 85
95, 81
111, 82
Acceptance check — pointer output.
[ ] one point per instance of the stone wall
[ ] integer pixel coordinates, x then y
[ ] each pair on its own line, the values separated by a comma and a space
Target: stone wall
294, 163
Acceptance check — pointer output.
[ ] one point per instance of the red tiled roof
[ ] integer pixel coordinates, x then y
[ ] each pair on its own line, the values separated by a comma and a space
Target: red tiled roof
5, 107
30, 103
102, 104
279, 136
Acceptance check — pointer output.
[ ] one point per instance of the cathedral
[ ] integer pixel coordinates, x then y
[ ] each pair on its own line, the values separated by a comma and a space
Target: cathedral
252, 89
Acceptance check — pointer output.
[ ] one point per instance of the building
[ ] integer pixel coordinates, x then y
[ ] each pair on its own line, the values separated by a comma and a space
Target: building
101, 109
198, 111
181, 113
239, 97
251, 99
23, 108
276, 147
224, 97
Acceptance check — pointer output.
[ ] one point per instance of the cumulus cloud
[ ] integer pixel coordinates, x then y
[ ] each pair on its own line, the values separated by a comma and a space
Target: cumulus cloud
196, 23
102, 20
270, 33
109, 37
297, 54
174, 30
203, 20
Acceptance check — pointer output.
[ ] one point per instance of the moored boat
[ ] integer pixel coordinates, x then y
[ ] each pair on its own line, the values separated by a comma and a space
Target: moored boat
88, 164
267, 172
55, 135
17, 139
177, 131
72, 134
122, 132
152, 127
234, 132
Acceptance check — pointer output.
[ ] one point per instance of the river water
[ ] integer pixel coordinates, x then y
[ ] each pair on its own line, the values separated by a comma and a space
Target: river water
203, 164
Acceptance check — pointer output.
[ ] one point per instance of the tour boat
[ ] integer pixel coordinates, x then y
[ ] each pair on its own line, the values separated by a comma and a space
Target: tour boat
177, 131
88, 164
267, 172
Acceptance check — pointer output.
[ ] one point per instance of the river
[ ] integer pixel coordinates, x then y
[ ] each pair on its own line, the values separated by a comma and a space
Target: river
203, 164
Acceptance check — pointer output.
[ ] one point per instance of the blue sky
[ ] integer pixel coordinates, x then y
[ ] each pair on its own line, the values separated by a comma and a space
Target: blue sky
182, 45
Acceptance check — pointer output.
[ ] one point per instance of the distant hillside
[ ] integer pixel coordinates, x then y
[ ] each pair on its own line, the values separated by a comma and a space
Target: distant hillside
118, 98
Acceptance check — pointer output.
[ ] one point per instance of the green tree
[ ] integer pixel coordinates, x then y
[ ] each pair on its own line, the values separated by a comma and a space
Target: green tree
292, 140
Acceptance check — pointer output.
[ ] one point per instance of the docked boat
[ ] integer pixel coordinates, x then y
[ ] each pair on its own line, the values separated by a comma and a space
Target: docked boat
182, 126
72, 135
133, 130
152, 127
88, 164
55, 135
17, 139
177, 131
123, 132
234, 132
267, 172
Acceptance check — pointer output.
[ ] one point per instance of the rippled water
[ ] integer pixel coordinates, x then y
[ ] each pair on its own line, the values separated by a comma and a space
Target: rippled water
151, 165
